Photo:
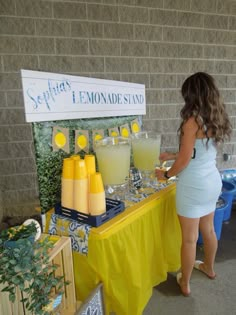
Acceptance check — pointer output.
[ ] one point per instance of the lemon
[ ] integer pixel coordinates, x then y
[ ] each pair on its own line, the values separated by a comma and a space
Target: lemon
60, 139
114, 133
125, 132
135, 127
82, 141
97, 137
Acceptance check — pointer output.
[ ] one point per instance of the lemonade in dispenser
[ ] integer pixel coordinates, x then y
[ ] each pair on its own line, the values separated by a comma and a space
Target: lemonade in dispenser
113, 158
146, 150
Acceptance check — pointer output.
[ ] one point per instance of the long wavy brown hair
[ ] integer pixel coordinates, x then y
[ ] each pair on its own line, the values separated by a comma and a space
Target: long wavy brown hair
203, 101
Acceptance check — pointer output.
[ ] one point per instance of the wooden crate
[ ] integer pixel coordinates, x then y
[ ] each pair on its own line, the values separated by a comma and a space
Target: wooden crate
60, 255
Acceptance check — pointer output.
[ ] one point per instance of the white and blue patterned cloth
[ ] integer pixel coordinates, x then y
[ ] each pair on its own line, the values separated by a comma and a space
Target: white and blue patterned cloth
78, 232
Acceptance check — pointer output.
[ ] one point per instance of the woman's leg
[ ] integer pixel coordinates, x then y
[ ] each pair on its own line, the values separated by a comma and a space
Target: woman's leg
189, 228
210, 243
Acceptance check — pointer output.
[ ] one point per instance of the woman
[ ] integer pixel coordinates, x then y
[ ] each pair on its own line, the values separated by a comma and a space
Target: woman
205, 124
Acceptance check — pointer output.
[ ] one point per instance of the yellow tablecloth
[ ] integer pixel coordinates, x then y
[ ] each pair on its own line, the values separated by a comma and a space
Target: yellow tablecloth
131, 254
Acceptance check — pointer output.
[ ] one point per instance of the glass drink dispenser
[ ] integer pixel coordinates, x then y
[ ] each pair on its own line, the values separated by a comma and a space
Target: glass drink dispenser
146, 150
113, 158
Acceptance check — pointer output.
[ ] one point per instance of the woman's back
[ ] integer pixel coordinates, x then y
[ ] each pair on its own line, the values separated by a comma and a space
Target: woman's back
204, 158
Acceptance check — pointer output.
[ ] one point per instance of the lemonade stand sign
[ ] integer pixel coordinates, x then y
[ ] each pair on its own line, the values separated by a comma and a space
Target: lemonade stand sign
52, 96
68, 113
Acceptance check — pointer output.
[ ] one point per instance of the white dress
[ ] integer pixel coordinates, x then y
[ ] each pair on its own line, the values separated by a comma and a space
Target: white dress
199, 184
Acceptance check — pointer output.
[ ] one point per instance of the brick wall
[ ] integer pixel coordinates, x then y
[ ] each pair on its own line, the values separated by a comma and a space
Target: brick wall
154, 42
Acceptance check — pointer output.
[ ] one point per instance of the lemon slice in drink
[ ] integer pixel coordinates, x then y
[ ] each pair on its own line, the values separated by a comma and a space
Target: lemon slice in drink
82, 141
60, 139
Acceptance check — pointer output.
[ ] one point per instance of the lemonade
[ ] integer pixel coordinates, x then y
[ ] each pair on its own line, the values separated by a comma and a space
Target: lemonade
146, 150
113, 157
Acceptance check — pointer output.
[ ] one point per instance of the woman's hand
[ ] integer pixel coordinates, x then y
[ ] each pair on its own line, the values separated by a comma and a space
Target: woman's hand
159, 172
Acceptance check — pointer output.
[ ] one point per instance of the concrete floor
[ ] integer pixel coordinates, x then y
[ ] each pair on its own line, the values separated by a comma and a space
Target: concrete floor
208, 297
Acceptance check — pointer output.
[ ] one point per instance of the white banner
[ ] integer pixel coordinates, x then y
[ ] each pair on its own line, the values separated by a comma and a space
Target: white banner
52, 96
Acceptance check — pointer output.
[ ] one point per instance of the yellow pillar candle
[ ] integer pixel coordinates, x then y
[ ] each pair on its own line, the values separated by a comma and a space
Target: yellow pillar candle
97, 199
80, 187
67, 183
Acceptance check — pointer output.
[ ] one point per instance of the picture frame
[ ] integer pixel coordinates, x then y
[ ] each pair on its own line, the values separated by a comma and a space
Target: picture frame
94, 304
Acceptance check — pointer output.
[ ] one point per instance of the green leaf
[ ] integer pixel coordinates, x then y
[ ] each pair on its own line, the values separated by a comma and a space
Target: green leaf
12, 297
16, 280
24, 300
12, 261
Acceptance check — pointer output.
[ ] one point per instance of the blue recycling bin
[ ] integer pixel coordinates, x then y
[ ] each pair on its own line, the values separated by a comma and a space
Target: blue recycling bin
221, 205
230, 176
234, 182
228, 191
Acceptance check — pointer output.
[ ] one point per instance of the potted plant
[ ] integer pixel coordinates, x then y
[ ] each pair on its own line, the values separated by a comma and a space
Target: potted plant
25, 266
